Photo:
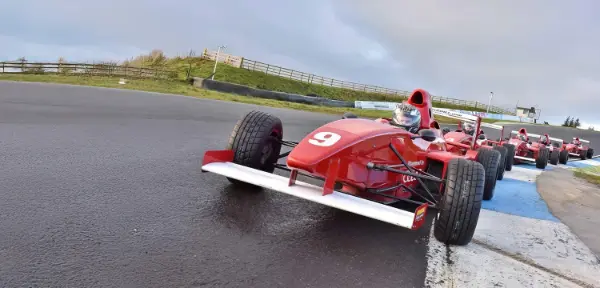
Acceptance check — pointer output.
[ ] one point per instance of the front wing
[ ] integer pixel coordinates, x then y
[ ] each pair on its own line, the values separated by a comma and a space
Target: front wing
313, 193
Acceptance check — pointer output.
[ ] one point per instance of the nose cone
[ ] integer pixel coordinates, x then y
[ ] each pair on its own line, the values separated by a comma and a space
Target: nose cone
333, 138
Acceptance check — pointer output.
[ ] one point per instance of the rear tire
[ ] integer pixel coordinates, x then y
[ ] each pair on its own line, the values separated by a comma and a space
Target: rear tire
490, 159
554, 157
510, 156
503, 156
255, 141
461, 202
563, 157
542, 160
590, 153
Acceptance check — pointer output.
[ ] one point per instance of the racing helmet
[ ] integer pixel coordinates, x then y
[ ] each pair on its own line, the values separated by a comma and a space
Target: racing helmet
523, 137
544, 139
468, 127
407, 116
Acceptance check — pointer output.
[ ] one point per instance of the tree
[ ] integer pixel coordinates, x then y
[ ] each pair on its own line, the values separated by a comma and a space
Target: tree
576, 124
567, 121
572, 122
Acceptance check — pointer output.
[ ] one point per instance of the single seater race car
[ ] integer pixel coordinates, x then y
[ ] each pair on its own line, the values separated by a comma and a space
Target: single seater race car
577, 149
463, 142
557, 154
364, 165
526, 152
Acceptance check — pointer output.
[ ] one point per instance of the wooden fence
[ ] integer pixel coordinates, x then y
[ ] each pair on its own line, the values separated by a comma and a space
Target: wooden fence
253, 65
86, 69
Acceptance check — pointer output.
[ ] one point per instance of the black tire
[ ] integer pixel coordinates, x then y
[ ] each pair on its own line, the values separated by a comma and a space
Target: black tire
542, 160
510, 156
461, 202
590, 153
582, 154
490, 159
563, 157
255, 141
554, 157
502, 166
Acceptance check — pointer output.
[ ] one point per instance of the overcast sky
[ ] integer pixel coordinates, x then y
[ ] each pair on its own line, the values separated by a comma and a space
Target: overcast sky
534, 52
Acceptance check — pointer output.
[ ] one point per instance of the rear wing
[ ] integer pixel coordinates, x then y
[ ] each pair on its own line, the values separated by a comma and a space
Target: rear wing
467, 118
582, 140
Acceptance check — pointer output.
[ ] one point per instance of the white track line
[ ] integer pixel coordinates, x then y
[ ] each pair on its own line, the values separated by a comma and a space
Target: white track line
514, 251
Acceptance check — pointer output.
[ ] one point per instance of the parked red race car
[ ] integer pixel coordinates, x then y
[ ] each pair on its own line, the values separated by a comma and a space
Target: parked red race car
557, 154
577, 148
364, 165
463, 142
528, 152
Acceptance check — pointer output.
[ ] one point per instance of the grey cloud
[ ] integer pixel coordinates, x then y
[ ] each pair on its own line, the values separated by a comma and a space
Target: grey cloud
535, 52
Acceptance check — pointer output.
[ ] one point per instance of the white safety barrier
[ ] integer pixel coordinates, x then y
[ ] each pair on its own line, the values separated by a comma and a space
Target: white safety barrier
389, 106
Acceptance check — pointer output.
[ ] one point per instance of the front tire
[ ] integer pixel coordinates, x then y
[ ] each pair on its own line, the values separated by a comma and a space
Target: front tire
490, 159
255, 141
554, 157
510, 156
460, 203
563, 157
542, 160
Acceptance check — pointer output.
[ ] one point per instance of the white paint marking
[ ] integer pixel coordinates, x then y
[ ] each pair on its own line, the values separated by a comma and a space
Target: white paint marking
542, 243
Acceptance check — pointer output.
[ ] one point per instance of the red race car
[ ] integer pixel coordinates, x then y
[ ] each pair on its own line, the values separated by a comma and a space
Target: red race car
577, 149
363, 165
557, 154
462, 142
528, 152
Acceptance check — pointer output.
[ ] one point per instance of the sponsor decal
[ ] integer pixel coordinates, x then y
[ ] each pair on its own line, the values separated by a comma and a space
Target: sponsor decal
408, 179
416, 163
420, 213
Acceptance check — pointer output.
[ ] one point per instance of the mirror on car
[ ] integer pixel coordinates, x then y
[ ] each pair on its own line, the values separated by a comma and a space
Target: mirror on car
349, 115
427, 135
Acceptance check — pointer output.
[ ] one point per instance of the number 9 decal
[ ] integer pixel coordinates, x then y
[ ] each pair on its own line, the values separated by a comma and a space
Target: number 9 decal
324, 139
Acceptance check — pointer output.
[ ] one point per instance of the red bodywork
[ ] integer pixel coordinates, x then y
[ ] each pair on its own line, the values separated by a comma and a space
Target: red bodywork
366, 141
522, 147
574, 148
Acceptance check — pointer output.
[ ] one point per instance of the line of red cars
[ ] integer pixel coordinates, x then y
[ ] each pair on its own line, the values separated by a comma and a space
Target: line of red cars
523, 146
367, 166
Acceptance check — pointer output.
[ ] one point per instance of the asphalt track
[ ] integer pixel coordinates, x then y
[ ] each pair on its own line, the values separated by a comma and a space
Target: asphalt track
102, 187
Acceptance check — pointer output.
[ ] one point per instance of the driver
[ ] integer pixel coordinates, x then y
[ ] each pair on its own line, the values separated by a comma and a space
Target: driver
407, 116
544, 140
523, 137
469, 128
576, 141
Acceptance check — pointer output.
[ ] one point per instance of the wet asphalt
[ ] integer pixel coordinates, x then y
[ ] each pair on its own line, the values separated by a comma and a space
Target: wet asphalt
102, 188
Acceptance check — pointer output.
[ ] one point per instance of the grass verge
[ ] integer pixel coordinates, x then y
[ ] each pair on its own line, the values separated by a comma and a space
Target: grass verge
203, 68
183, 88
590, 174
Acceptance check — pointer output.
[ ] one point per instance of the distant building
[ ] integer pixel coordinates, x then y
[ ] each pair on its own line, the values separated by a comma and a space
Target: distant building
527, 112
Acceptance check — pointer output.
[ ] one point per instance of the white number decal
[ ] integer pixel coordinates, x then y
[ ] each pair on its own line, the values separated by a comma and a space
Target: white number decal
324, 139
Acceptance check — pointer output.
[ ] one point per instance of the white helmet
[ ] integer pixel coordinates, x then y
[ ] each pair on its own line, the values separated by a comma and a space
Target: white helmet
407, 116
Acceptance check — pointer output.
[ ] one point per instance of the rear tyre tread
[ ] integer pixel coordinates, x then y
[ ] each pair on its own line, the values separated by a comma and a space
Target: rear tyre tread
461, 202
490, 159
510, 156
503, 154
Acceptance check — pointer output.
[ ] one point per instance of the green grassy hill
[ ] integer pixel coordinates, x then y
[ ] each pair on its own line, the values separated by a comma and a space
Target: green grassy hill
203, 68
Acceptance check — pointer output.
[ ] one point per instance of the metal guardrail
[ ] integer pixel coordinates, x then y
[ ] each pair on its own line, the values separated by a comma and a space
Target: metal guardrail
258, 66
103, 69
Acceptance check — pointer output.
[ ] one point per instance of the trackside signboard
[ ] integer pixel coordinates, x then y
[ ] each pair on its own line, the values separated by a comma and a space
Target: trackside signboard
390, 106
